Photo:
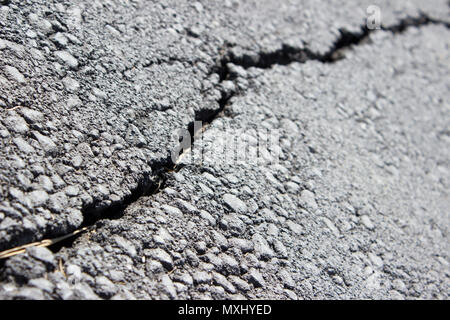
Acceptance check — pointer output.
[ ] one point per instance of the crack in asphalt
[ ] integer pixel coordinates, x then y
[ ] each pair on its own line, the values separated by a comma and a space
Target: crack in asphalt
155, 181
288, 54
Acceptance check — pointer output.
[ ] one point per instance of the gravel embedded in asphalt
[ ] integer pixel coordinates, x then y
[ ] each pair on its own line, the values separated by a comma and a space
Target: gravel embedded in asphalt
350, 203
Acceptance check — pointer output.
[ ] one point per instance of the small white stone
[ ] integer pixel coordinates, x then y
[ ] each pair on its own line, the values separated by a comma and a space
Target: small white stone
67, 58
14, 74
365, 220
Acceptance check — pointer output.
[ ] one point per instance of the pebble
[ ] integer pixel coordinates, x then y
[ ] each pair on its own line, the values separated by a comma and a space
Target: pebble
67, 58
116, 275
290, 294
58, 202
162, 256
205, 189
154, 267
185, 278
100, 188
223, 282
200, 277
235, 203
331, 226
255, 277
289, 126
164, 235
395, 295
236, 71
46, 143
99, 93
17, 162
191, 258
125, 245
16, 193
57, 181
16, 124
240, 284
198, 6
74, 218
73, 272
38, 197
209, 218
31, 34
262, 249
373, 282
30, 294
376, 260
307, 200
269, 215
43, 254
168, 287
400, 286
365, 220
292, 187
60, 39
200, 246
64, 290
228, 88
41, 24
104, 286
234, 224
243, 244
230, 265
37, 169
7, 223
172, 211
14, 74
84, 292
286, 279
43, 284
272, 230
186, 206
211, 178
280, 249
46, 183
71, 85
72, 191
294, 227
214, 260
219, 239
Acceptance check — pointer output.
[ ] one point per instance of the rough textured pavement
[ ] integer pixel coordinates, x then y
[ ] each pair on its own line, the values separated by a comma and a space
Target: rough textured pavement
355, 207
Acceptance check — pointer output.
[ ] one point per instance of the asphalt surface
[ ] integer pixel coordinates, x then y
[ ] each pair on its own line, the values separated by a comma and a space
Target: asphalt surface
350, 199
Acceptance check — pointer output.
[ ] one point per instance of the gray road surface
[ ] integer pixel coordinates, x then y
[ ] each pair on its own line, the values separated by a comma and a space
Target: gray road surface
349, 201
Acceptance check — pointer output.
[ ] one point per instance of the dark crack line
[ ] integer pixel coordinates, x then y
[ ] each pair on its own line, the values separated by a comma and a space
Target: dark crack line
152, 183
288, 54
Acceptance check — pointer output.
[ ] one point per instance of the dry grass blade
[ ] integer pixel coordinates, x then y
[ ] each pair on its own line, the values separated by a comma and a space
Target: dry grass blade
14, 108
44, 243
